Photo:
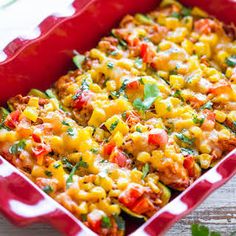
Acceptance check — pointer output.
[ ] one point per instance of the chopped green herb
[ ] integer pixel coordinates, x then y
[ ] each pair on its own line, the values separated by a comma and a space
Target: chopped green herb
138, 63
110, 65
123, 115
113, 125
201, 230
145, 170
151, 92
188, 151
122, 43
84, 85
50, 93
186, 11
176, 15
184, 138
144, 19
56, 165
66, 164
17, 147
3, 115
197, 120
120, 222
207, 105
79, 164
78, 60
83, 217
48, 189
178, 94
94, 150
231, 61
71, 131
106, 222
48, 173
65, 123
138, 129
114, 53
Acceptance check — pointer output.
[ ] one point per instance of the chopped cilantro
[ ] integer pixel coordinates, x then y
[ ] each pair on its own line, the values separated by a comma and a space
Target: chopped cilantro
197, 120
110, 65
65, 123
17, 147
71, 131
145, 170
78, 60
184, 138
47, 189
94, 150
201, 230
84, 85
113, 125
123, 115
83, 217
56, 165
176, 15
178, 94
138, 63
66, 164
120, 222
138, 129
186, 11
106, 222
79, 164
114, 53
188, 151
231, 61
48, 173
207, 105
151, 92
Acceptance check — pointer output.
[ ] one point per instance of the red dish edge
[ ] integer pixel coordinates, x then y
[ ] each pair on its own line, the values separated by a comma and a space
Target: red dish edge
15, 186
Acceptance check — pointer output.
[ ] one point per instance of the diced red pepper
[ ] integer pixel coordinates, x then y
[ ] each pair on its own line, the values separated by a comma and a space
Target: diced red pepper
94, 221
133, 85
131, 194
222, 88
146, 53
108, 148
36, 138
81, 100
12, 119
119, 158
159, 138
41, 150
142, 206
189, 165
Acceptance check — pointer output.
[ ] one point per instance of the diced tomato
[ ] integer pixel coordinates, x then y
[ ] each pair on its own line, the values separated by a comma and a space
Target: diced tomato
36, 138
159, 138
131, 194
209, 121
12, 119
210, 115
81, 100
205, 26
95, 220
119, 158
142, 206
146, 53
189, 165
222, 88
133, 84
41, 150
108, 148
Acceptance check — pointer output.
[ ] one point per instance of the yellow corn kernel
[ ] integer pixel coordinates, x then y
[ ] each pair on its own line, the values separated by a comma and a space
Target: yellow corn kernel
95, 88
178, 35
108, 208
98, 193
98, 117
143, 157
122, 183
31, 113
106, 183
161, 19
55, 103
196, 131
34, 102
162, 107
172, 22
125, 63
221, 56
95, 53
174, 101
7, 136
187, 22
114, 193
136, 175
205, 160
202, 49
205, 147
229, 72
156, 159
57, 170
224, 134
141, 32
177, 81
183, 124
83, 208
220, 116
56, 143
212, 39
38, 171
193, 63
163, 74
118, 138
165, 45
232, 116
115, 124
99, 134
188, 46
111, 85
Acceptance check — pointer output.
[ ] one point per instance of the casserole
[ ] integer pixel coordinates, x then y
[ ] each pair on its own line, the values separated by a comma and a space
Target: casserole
190, 188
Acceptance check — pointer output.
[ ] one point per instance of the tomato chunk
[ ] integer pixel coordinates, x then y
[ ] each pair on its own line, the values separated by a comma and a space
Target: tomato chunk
159, 138
133, 85
41, 150
12, 119
119, 158
131, 194
142, 206
81, 99
189, 165
95, 220
36, 138
108, 148
146, 53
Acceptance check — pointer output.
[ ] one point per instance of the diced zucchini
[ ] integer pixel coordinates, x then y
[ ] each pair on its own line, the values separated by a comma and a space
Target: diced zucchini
37, 93
166, 194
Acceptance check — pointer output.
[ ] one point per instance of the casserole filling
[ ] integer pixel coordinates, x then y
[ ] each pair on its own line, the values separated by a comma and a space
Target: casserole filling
145, 112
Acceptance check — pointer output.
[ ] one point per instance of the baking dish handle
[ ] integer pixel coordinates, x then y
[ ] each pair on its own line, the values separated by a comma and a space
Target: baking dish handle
23, 203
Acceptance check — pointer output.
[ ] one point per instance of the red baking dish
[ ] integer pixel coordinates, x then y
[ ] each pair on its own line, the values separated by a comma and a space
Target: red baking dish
39, 62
